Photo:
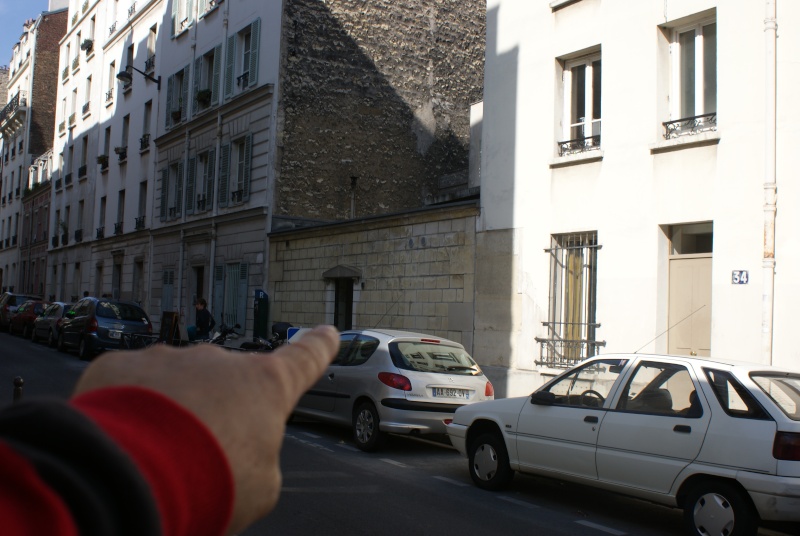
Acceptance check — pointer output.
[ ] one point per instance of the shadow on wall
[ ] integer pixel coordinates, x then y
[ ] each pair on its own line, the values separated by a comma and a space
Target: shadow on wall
377, 91
495, 296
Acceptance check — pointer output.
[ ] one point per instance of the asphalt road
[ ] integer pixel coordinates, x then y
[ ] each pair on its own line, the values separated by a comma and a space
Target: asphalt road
408, 487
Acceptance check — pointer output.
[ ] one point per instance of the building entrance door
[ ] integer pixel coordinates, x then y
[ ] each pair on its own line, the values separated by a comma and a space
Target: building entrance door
690, 306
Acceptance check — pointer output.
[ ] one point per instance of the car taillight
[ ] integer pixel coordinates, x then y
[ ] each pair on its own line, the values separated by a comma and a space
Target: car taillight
91, 326
489, 391
786, 446
395, 381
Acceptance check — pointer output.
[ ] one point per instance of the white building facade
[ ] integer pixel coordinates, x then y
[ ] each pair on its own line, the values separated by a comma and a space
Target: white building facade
630, 157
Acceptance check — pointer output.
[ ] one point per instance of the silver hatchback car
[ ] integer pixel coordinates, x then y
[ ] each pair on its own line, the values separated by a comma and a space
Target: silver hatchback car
386, 381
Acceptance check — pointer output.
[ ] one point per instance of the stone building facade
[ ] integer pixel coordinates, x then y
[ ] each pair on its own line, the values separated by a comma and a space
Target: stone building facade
411, 271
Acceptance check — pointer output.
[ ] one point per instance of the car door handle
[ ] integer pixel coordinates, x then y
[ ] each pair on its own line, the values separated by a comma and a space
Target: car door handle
590, 418
682, 428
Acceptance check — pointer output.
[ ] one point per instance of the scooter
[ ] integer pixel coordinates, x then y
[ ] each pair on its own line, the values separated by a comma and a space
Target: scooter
260, 344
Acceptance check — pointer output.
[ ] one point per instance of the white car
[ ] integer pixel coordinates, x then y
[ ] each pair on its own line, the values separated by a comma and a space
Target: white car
719, 439
386, 381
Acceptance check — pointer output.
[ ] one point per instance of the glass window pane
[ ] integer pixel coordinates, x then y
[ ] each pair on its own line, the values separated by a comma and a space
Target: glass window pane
578, 104
686, 42
710, 68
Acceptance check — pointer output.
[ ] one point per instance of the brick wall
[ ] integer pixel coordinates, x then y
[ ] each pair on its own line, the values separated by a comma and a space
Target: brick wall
380, 90
43, 101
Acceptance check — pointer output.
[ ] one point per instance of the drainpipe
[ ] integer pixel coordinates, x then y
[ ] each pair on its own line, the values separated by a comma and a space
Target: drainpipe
770, 185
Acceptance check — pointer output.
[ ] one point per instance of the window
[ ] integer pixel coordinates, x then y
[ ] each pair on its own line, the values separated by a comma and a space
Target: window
120, 211
661, 389
167, 289
783, 389
200, 182
572, 319
694, 79
582, 105
343, 303
230, 292
142, 200
588, 386
101, 218
177, 97
182, 16
88, 95
171, 191
207, 70
734, 397
241, 59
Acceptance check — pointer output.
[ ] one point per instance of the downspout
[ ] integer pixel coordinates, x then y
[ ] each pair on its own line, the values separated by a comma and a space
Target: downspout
770, 184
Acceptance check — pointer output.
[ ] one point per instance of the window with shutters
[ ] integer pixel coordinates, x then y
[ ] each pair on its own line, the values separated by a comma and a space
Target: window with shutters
207, 71
240, 177
200, 184
230, 294
241, 59
171, 191
182, 16
177, 97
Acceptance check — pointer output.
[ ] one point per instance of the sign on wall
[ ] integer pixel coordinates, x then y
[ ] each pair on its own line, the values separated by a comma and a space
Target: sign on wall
740, 277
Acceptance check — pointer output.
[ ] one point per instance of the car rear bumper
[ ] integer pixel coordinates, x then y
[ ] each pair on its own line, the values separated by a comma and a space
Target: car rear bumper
776, 498
399, 416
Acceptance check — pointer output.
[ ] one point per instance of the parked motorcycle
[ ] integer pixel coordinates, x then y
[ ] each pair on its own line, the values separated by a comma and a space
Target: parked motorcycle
260, 344
224, 333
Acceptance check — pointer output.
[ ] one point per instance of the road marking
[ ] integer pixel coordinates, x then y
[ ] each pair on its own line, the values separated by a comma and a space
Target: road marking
309, 434
398, 464
517, 502
309, 443
450, 481
601, 528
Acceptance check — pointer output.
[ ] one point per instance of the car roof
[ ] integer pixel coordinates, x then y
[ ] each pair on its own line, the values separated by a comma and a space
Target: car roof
744, 366
399, 334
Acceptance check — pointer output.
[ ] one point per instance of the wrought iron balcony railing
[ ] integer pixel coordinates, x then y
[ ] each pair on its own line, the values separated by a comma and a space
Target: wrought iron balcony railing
82, 171
150, 64
67, 179
101, 233
109, 95
86, 108
54, 241
690, 125
564, 353
118, 228
139, 225
236, 196
144, 142
578, 145
78, 235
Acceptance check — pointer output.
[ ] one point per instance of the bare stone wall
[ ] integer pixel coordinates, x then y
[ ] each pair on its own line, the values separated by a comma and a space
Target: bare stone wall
417, 272
375, 89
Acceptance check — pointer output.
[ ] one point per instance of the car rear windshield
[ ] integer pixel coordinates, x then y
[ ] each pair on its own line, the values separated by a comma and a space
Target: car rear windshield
426, 356
121, 311
783, 389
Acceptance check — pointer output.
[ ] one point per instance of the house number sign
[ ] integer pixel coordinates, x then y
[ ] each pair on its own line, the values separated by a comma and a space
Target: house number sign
740, 277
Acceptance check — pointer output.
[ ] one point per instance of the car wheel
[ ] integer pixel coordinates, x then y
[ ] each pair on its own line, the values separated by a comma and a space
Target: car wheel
714, 508
26, 332
60, 344
488, 462
52, 339
84, 353
366, 427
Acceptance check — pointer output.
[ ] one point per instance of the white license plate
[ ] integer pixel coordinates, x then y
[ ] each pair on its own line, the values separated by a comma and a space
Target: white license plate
445, 392
114, 334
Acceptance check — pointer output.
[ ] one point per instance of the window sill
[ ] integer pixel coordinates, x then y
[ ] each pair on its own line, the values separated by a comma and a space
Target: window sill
109, 102
555, 5
182, 32
208, 12
585, 157
687, 141
87, 114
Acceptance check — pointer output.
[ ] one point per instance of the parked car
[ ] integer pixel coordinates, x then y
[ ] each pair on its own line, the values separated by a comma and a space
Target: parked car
47, 325
22, 320
94, 325
717, 438
397, 382
9, 302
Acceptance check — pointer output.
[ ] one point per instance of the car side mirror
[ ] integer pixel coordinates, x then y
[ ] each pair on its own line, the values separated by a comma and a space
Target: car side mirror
543, 398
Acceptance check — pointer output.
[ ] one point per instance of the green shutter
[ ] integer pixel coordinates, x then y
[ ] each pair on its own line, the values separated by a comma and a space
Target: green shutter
248, 157
185, 92
255, 30
217, 69
170, 90
191, 202
164, 192
224, 173
230, 65
210, 184
198, 67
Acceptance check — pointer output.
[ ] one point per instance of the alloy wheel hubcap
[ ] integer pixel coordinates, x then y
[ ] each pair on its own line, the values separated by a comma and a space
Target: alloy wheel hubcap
365, 426
485, 462
713, 515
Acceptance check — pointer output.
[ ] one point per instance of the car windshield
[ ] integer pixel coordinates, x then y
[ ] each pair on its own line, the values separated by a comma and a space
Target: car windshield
783, 389
121, 311
431, 356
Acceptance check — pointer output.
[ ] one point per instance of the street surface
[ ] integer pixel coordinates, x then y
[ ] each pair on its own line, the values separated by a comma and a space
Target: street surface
409, 487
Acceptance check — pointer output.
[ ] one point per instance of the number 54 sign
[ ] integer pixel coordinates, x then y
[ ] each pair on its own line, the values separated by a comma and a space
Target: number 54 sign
740, 277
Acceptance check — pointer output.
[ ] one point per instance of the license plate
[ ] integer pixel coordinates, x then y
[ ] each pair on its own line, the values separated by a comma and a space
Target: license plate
445, 392
114, 334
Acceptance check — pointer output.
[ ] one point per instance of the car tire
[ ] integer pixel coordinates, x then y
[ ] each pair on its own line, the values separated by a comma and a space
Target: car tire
718, 507
488, 462
52, 339
60, 344
26, 332
366, 427
84, 352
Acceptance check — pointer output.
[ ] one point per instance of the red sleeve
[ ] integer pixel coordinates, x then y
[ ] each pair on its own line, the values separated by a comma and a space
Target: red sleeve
177, 455
28, 506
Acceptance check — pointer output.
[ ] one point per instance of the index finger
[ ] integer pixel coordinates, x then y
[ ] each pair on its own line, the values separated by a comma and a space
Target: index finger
304, 361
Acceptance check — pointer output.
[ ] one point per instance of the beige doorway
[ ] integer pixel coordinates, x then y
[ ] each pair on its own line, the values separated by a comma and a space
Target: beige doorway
691, 246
